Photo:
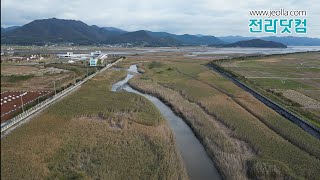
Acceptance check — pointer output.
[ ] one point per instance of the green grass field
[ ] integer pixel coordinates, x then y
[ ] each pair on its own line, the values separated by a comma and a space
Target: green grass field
94, 134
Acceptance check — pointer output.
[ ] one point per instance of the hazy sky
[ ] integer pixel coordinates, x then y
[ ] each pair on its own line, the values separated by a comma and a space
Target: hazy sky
210, 17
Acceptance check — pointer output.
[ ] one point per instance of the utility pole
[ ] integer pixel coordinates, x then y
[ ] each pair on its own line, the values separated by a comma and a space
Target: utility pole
74, 77
22, 104
54, 85
22, 100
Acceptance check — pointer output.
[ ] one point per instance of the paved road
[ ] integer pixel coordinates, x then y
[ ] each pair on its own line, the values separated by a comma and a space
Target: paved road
275, 77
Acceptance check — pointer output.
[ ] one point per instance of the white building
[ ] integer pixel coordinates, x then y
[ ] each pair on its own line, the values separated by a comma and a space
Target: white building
68, 55
96, 54
73, 56
95, 57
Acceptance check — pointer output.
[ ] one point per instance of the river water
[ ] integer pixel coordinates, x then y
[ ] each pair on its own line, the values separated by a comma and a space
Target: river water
186, 50
199, 166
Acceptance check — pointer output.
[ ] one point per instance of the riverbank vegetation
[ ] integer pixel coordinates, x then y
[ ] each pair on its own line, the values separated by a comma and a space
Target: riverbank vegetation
94, 134
229, 153
230, 122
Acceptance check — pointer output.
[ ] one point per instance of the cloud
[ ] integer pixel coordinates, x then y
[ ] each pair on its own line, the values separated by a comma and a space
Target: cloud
213, 17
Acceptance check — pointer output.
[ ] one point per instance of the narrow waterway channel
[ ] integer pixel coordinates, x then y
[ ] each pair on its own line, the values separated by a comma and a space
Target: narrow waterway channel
199, 165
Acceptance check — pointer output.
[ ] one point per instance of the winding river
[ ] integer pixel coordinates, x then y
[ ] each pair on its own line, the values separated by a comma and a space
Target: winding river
199, 166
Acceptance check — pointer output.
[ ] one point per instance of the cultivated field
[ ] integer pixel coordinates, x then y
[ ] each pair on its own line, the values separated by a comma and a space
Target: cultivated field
14, 102
17, 77
94, 134
291, 80
245, 138
34, 76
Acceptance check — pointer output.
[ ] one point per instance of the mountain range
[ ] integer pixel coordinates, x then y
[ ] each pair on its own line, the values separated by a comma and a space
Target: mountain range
8, 28
258, 43
53, 30
286, 40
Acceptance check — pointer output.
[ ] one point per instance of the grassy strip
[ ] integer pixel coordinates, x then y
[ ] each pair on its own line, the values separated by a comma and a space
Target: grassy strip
79, 69
276, 156
15, 78
94, 134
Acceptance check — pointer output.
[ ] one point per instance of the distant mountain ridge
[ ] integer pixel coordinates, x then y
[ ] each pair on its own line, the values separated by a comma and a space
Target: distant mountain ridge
115, 29
142, 38
71, 31
8, 28
257, 43
287, 40
189, 39
53, 30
